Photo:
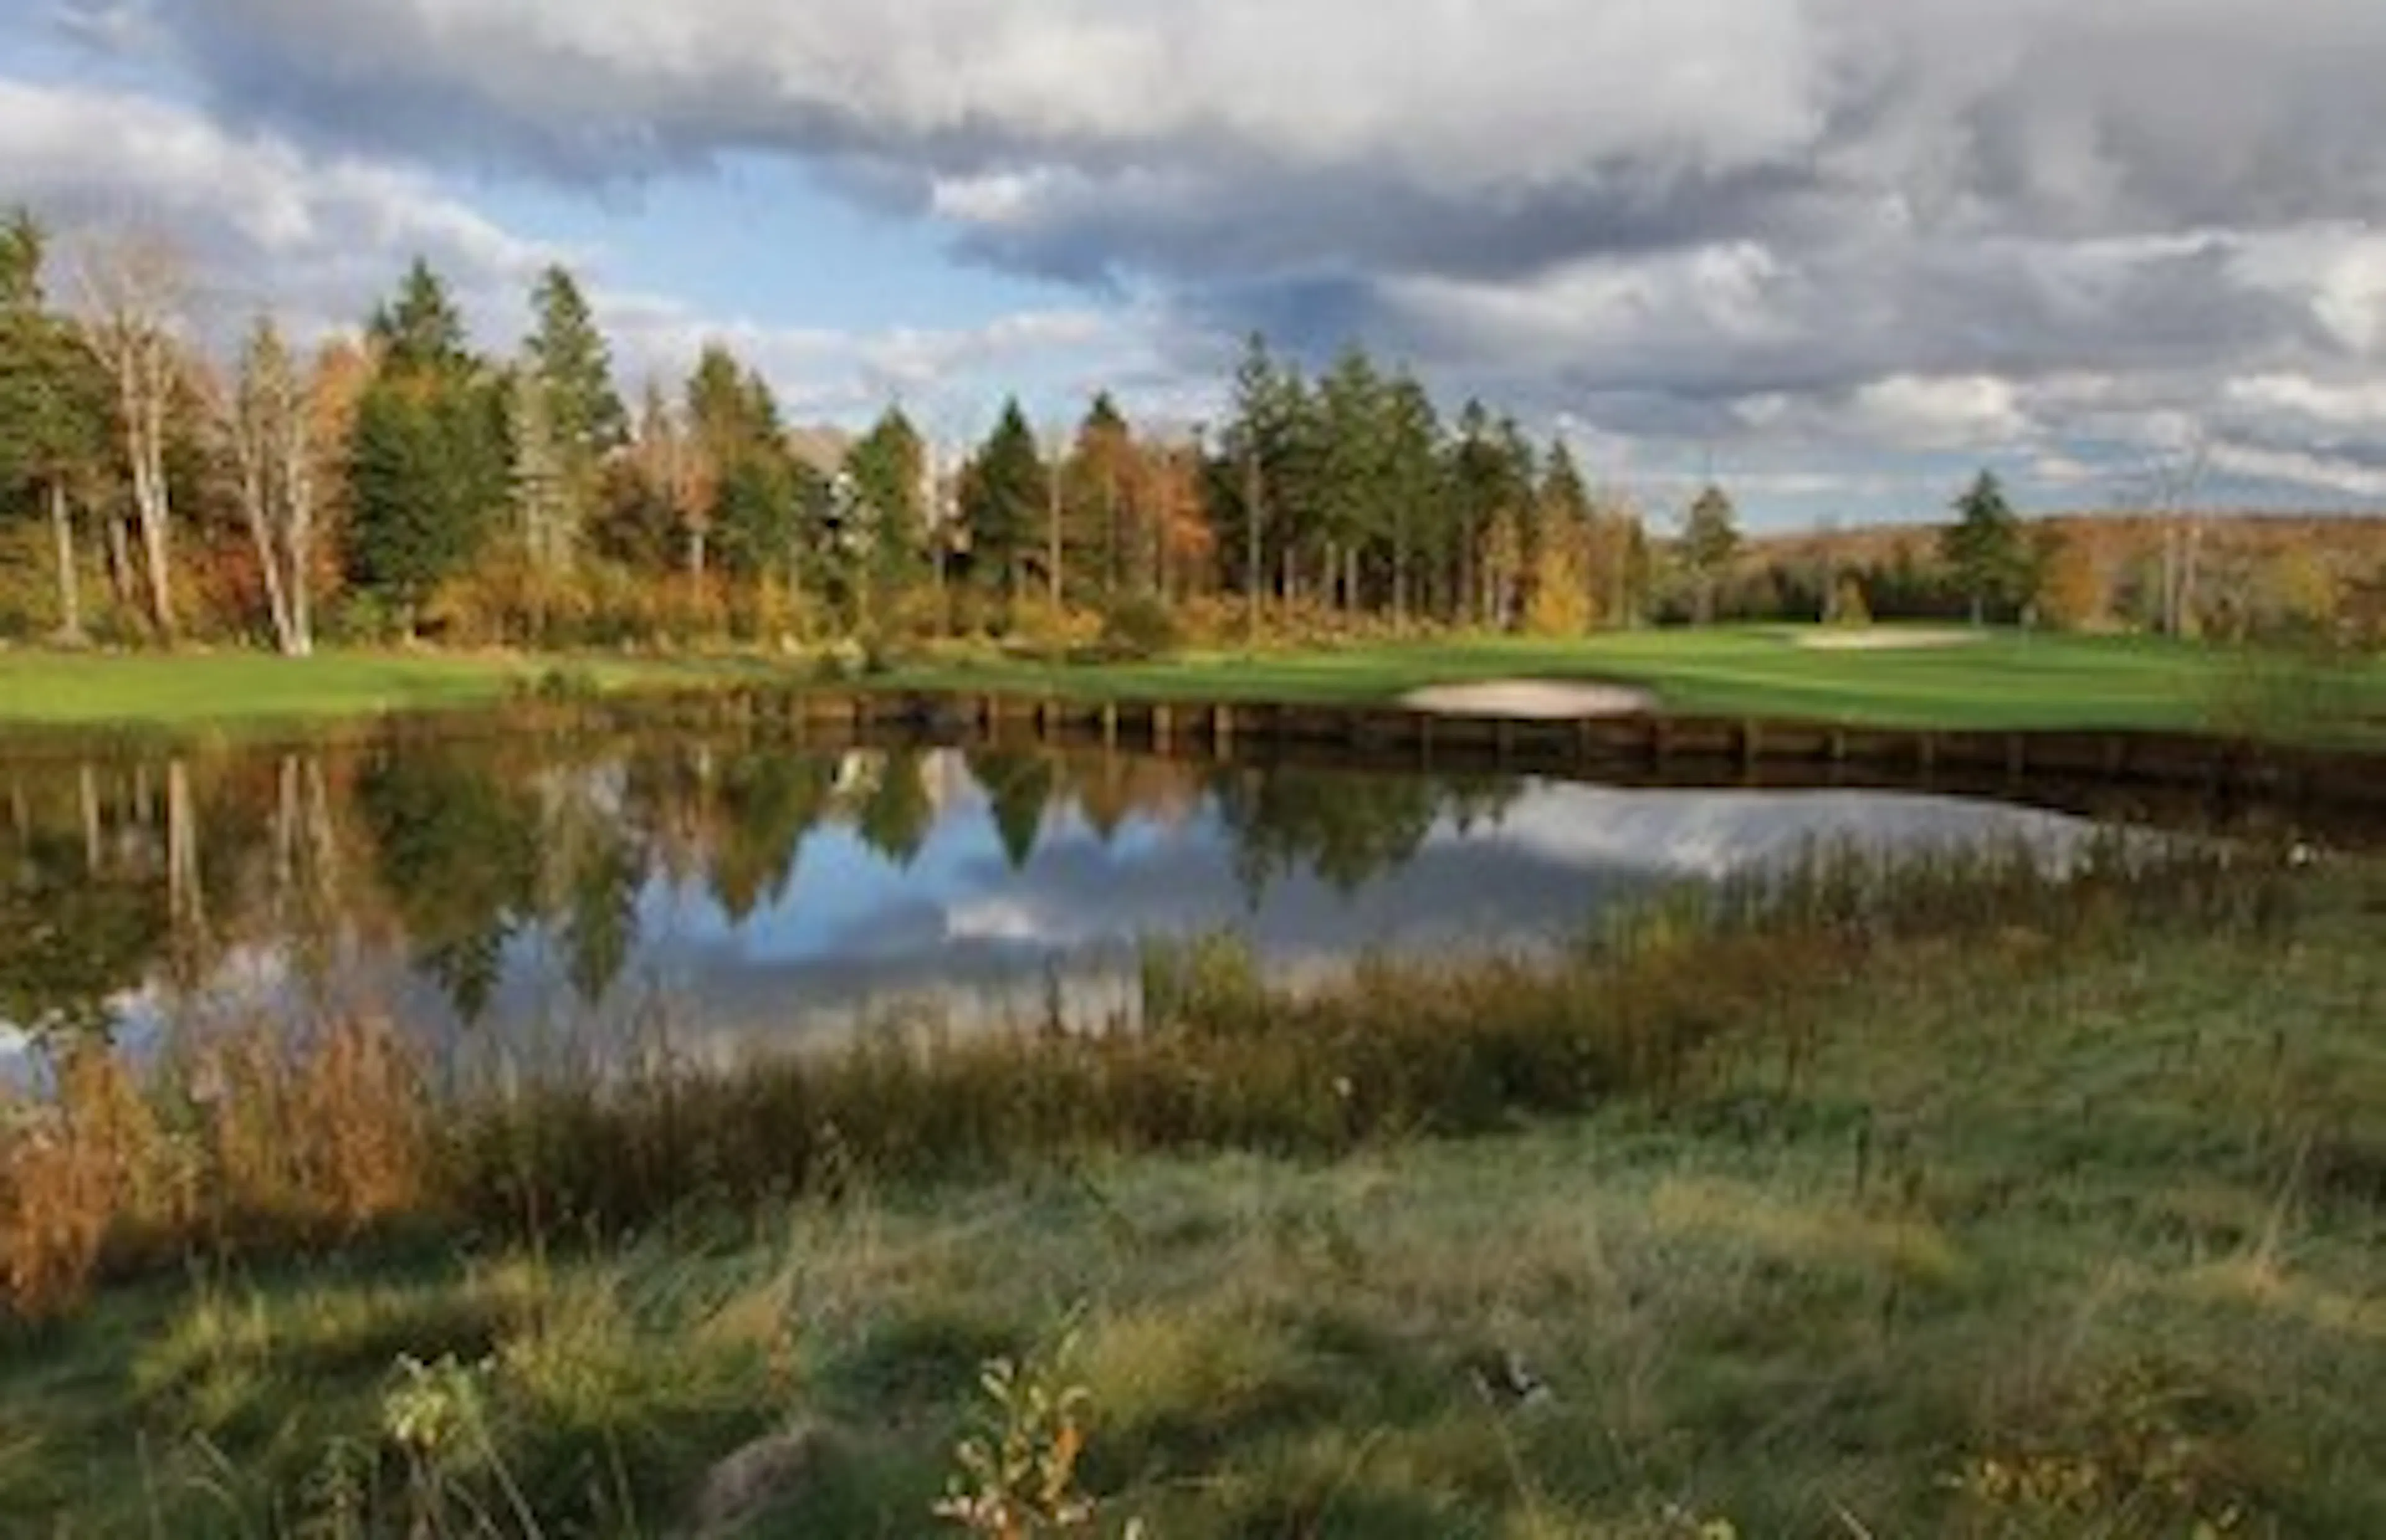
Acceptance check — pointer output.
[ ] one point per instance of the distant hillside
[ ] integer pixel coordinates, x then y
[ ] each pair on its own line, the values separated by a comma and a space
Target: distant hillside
2353, 543
2230, 573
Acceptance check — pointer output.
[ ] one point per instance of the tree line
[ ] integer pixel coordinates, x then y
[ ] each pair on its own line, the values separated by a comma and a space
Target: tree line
402, 483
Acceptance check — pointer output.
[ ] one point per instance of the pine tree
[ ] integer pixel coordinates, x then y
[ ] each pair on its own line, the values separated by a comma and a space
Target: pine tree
1984, 547
1355, 470
1415, 486
431, 464
53, 409
568, 355
1108, 536
886, 511
567, 420
1710, 541
1003, 495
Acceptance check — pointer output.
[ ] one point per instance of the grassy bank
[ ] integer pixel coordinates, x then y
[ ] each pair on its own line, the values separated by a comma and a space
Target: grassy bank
232, 692
2000, 680
1997, 1207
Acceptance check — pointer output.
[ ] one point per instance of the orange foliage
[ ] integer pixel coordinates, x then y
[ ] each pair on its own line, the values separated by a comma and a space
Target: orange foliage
250, 1138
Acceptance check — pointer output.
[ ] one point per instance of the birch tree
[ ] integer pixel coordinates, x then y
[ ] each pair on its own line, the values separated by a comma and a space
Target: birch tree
133, 293
267, 422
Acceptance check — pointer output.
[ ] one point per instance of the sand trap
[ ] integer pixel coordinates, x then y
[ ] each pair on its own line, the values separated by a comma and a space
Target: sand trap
1550, 699
1884, 639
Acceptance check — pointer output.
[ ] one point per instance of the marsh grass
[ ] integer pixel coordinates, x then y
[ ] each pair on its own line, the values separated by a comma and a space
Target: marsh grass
1987, 1197
250, 1143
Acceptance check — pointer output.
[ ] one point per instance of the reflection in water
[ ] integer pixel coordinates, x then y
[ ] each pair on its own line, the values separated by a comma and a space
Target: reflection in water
733, 891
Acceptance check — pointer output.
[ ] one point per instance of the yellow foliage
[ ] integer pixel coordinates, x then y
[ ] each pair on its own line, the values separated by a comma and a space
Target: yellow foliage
2075, 594
1561, 603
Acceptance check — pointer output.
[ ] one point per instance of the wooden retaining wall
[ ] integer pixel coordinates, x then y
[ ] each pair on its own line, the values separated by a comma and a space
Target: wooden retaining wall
1623, 748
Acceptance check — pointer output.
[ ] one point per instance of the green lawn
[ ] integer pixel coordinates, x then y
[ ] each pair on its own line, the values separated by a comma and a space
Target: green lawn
2004, 679
237, 689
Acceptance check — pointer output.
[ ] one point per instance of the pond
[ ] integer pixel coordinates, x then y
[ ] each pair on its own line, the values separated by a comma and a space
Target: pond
735, 892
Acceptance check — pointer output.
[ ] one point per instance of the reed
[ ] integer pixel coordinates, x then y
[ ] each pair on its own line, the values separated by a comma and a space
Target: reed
255, 1142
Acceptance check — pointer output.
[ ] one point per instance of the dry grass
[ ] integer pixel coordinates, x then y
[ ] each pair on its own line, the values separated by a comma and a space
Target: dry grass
249, 1143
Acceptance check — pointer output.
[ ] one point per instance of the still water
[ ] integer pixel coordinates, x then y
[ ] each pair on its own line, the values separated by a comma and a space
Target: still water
735, 895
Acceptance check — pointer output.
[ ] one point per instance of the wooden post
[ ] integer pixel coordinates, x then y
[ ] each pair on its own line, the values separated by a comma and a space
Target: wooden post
1159, 729
1221, 730
1109, 727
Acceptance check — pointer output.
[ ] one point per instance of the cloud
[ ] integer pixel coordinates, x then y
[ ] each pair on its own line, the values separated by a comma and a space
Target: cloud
938, 374
261, 222
320, 236
1932, 224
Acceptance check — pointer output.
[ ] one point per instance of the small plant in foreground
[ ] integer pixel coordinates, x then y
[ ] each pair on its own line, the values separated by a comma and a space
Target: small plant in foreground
437, 1415
1017, 1477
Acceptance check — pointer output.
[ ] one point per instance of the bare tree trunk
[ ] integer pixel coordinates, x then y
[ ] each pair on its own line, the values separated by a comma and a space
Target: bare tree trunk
1251, 556
256, 494
298, 533
120, 563
87, 786
146, 442
186, 900
1052, 520
69, 591
1113, 558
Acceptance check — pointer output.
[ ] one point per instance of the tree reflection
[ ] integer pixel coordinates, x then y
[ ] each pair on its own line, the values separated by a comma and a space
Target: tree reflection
766, 804
458, 854
898, 812
1018, 789
117, 879
1349, 829
82, 916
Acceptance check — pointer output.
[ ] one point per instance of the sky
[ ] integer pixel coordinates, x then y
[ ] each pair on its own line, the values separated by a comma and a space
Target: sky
1837, 253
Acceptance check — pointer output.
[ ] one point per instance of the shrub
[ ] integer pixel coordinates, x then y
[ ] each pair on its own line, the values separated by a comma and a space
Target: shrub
1139, 627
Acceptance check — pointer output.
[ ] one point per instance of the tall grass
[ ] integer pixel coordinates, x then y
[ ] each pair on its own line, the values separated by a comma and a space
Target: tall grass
254, 1142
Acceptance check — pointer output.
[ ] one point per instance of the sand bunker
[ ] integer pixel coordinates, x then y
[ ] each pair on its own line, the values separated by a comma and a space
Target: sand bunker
1548, 699
1884, 639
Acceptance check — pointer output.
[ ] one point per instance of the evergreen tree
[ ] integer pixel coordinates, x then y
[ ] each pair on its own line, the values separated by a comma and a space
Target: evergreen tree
1414, 487
1106, 538
421, 331
54, 411
569, 356
887, 509
1355, 410
430, 464
1710, 541
1984, 547
567, 419
1003, 493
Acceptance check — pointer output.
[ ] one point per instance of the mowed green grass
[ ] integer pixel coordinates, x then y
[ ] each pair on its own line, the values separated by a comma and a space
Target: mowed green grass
2000, 680
233, 690
2044, 1237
